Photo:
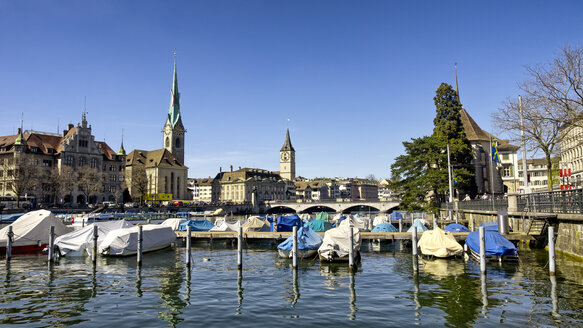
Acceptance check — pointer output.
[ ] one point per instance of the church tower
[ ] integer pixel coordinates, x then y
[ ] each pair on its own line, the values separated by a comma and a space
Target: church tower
173, 129
287, 159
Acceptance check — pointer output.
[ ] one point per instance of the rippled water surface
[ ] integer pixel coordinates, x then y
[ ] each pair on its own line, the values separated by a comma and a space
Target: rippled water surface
383, 292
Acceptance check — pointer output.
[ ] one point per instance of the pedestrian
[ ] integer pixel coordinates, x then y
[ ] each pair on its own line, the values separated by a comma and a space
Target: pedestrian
467, 198
485, 196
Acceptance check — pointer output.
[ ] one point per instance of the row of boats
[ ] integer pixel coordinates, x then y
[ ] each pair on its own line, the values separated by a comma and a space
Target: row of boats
120, 237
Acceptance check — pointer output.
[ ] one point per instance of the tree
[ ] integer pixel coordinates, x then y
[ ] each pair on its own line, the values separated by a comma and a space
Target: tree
89, 180
137, 181
421, 175
25, 177
60, 181
543, 130
558, 86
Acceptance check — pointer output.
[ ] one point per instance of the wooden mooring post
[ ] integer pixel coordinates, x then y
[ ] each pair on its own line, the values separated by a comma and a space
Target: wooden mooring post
10, 235
482, 233
434, 221
188, 256
295, 247
51, 243
95, 236
351, 250
139, 255
400, 225
240, 248
415, 251
552, 267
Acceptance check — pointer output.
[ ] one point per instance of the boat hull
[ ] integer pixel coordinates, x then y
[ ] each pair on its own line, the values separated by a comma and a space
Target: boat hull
338, 259
494, 258
23, 249
302, 253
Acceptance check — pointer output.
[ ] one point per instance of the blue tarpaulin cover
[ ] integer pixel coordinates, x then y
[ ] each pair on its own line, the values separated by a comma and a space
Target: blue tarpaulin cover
196, 225
384, 227
319, 225
490, 226
420, 226
496, 244
456, 227
396, 216
307, 239
286, 223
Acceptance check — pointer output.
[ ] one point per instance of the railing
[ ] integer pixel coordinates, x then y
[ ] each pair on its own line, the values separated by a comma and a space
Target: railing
558, 202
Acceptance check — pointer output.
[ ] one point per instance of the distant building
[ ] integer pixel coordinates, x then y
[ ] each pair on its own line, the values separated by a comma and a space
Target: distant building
241, 185
204, 190
537, 177
572, 155
385, 192
287, 159
50, 158
164, 168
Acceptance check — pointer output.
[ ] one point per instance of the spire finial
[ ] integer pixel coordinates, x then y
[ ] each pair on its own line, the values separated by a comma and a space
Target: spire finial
121, 150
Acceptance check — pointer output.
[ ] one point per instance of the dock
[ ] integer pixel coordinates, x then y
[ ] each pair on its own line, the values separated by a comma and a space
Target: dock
387, 236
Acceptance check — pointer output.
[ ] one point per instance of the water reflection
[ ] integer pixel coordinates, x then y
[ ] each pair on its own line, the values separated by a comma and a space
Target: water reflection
187, 284
554, 300
296, 287
239, 291
353, 308
442, 268
484, 293
139, 281
335, 274
7, 275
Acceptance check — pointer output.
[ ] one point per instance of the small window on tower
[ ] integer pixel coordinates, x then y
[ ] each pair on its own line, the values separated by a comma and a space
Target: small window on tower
167, 142
177, 143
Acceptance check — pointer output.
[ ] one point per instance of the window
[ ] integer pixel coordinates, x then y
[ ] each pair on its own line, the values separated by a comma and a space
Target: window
505, 157
82, 161
83, 143
94, 162
68, 160
47, 163
112, 189
112, 177
112, 168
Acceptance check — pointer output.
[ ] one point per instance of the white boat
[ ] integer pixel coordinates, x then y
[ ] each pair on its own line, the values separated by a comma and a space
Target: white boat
224, 224
439, 243
31, 231
79, 242
336, 244
124, 242
173, 223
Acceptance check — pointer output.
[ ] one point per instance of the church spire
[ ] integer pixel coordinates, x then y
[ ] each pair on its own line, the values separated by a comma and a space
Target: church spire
121, 151
456, 86
174, 111
20, 141
287, 145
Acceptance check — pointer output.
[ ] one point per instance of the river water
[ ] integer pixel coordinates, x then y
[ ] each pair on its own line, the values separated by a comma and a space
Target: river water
384, 292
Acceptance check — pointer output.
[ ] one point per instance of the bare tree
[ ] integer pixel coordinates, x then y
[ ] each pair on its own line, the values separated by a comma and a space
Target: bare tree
89, 180
24, 177
138, 181
558, 85
541, 131
61, 182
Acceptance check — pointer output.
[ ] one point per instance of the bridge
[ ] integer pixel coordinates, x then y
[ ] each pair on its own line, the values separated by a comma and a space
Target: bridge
332, 206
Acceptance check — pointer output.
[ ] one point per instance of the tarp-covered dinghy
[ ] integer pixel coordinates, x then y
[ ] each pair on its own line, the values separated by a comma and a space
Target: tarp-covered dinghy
308, 243
497, 247
336, 244
31, 231
439, 243
124, 242
226, 224
77, 242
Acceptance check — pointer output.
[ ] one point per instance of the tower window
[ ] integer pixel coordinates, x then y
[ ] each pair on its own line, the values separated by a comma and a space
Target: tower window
167, 142
177, 143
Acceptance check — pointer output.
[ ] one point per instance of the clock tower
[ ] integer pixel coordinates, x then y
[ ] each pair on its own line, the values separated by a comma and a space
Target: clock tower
287, 159
173, 130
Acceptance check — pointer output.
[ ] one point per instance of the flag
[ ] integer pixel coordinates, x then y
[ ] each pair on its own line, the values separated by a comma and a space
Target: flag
454, 178
495, 155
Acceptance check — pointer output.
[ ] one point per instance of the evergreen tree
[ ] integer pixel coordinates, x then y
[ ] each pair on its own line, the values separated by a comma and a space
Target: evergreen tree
421, 174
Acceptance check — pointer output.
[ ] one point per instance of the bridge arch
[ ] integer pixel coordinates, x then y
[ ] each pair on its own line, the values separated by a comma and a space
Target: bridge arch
280, 209
361, 208
318, 208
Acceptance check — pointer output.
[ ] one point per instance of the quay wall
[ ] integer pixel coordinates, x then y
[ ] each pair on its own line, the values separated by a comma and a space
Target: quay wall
568, 227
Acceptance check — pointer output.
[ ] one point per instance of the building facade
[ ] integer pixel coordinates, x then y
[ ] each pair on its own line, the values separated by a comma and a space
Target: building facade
161, 173
572, 155
204, 190
71, 168
243, 185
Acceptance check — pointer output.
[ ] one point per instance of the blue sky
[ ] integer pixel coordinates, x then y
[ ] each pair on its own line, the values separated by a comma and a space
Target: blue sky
355, 78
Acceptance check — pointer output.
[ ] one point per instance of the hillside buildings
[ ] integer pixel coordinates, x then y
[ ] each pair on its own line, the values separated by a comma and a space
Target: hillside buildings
70, 168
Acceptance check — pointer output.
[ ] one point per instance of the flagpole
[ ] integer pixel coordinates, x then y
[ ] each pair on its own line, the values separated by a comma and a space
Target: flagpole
449, 175
491, 174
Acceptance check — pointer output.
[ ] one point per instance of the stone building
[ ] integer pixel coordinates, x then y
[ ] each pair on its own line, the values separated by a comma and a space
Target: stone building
242, 185
572, 154
161, 173
70, 168
205, 190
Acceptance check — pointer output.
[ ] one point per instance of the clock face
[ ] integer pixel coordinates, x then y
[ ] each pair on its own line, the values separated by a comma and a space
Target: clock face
284, 156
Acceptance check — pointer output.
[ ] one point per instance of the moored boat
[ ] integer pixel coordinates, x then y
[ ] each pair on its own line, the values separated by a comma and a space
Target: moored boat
124, 242
308, 243
439, 243
498, 248
31, 231
336, 243
79, 242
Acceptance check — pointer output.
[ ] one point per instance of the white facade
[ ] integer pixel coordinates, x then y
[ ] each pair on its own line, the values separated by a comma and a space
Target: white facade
572, 155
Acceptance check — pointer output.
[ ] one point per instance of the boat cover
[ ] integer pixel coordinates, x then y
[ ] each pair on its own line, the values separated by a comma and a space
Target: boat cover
322, 216
490, 226
379, 219
359, 222
255, 224
420, 226
319, 225
223, 224
396, 215
439, 243
124, 241
306, 217
496, 244
307, 239
384, 227
33, 228
82, 239
11, 217
196, 225
173, 223
286, 223
456, 227
336, 243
